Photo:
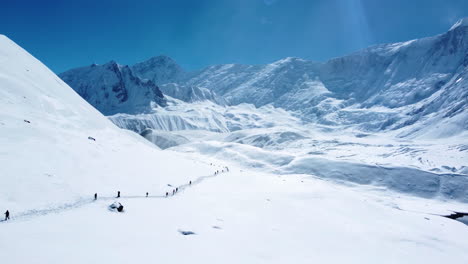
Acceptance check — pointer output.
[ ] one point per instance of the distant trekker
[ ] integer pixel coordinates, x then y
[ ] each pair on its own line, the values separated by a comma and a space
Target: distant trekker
173, 192
7, 215
190, 183
146, 194
167, 194
95, 196
118, 194
176, 189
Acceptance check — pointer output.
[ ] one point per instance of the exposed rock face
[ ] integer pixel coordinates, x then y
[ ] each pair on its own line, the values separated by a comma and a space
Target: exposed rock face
113, 88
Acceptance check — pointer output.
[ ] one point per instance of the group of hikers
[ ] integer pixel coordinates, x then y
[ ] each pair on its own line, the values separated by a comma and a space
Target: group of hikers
225, 169
174, 191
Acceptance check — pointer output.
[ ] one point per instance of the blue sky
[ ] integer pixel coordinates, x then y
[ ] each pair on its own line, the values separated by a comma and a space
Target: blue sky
197, 33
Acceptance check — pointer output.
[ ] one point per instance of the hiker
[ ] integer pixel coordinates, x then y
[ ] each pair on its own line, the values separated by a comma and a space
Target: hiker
118, 194
7, 215
173, 192
95, 196
190, 183
146, 194
176, 189
167, 194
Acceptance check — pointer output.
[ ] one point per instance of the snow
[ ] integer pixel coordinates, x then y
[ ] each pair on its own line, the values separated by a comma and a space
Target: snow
322, 167
112, 88
243, 217
421, 84
460, 23
50, 161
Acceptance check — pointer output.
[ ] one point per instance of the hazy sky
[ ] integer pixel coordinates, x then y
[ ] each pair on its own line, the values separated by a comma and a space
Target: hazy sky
66, 34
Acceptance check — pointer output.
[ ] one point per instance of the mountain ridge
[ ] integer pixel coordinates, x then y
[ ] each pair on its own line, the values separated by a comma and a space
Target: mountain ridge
383, 87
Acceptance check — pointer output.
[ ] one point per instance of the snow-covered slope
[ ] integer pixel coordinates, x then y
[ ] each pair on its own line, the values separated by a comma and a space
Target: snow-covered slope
112, 88
243, 217
46, 157
206, 116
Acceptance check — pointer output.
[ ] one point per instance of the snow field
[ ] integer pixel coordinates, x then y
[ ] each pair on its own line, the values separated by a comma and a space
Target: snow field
246, 217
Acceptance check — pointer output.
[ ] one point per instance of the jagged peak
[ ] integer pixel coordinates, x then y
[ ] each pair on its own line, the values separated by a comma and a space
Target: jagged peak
460, 23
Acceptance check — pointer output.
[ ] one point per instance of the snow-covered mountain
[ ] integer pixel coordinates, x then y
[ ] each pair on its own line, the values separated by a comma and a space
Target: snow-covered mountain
383, 87
56, 148
112, 88
57, 151
411, 85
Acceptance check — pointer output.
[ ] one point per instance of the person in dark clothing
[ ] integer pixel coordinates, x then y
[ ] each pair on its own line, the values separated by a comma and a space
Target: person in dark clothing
173, 192
7, 215
118, 194
167, 194
146, 194
176, 189
95, 196
190, 183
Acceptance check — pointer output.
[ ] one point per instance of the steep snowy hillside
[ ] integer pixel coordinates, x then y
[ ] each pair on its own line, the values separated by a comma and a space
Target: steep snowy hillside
46, 155
112, 88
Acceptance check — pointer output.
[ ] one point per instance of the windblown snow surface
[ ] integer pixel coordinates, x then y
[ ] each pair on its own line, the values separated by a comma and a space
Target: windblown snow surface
295, 192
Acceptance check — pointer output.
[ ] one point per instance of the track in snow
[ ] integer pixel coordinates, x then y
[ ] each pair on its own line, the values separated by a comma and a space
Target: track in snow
82, 202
